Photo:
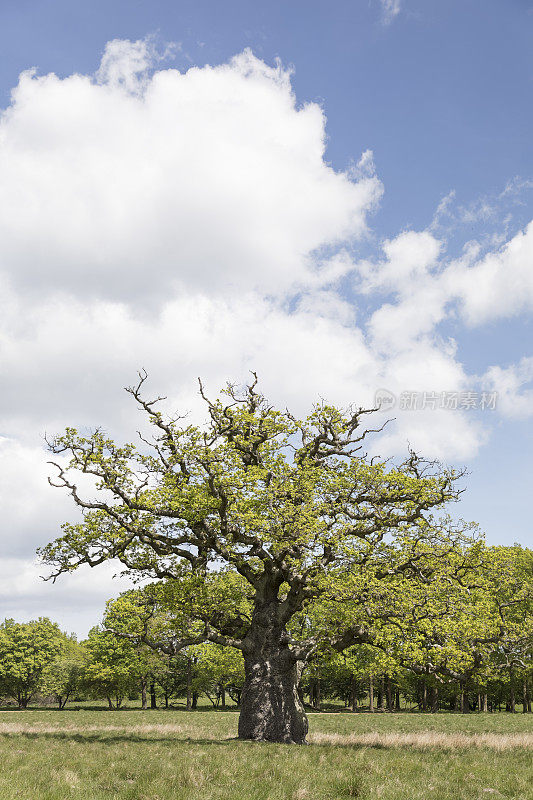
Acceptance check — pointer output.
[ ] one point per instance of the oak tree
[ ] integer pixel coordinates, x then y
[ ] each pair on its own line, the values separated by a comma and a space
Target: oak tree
293, 508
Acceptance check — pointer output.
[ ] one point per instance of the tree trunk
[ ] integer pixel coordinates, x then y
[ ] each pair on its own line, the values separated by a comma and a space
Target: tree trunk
381, 694
271, 709
318, 697
464, 700
512, 700
153, 698
144, 701
354, 694
189, 683
109, 703
397, 700
424, 696
194, 703
371, 694
390, 706
434, 699
484, 702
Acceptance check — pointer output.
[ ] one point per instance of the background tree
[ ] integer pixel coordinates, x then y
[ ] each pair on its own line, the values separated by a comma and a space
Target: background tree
112, 669
26, 650
219, 672
121, 614
290, 506
64, 676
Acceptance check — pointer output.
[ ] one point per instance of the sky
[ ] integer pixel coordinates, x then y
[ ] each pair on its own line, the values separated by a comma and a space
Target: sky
337, 195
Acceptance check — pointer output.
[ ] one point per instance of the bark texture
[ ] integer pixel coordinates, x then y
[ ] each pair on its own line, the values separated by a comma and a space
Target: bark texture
271, 709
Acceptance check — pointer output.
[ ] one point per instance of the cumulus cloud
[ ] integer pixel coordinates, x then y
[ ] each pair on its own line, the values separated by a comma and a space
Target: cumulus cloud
141, 182
478, 286
500, 284
408, 258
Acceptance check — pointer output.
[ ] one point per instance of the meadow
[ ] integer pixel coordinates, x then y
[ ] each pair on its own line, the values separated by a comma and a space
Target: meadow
96, 754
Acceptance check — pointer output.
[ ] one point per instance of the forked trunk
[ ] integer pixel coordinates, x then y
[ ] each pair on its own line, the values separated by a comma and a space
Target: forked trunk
271, 709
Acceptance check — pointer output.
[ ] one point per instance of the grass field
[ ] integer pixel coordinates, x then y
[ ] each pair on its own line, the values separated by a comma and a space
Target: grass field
164, 755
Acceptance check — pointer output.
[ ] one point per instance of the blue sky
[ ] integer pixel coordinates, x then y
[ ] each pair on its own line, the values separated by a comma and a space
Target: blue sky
411, 269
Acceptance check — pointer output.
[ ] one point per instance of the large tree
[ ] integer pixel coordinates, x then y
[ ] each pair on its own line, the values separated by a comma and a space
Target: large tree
294, 507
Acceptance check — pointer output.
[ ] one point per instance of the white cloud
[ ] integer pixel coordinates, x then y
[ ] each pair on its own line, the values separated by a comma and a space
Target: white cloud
500, 284
31, 512
408, 258
514, 400
125, 64
315, 350
137, 183
76, 601
427, 289
389, 10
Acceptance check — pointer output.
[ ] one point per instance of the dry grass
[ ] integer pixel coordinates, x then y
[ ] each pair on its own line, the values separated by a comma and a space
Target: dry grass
421, 740
428, 740
13, 728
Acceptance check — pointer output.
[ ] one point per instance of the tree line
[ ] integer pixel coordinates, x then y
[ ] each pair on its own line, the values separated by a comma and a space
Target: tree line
39, 662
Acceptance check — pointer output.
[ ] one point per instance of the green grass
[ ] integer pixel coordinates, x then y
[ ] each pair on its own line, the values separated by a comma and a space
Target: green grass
164, 755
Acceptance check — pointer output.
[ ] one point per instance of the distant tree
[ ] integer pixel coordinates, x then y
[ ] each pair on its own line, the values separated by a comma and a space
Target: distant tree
63, 678
219, 671
292, 507
149, 665
112, 669
26, 651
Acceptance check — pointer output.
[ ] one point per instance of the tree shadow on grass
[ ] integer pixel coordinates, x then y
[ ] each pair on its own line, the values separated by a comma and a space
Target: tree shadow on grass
139, 738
